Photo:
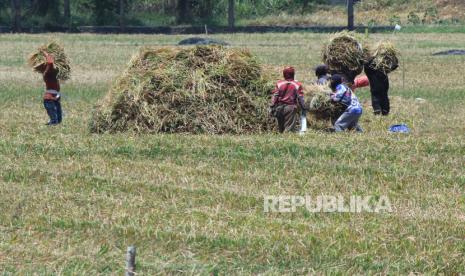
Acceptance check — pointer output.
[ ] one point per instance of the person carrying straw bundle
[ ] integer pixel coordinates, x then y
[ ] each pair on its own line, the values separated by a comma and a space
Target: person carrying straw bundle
344, 95
52, 63
383, 62
287, 96
52, 92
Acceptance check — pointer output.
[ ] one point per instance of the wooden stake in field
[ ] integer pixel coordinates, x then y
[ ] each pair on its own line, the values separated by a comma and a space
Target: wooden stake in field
350, 15
131, 261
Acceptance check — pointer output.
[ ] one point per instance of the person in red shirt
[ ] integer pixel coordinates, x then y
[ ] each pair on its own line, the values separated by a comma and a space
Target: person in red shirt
286, 96
52, 92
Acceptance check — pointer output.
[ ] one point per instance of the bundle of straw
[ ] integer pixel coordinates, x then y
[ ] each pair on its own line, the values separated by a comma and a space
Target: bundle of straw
319, 104
344, 54
205, 89
61, 62
385, 57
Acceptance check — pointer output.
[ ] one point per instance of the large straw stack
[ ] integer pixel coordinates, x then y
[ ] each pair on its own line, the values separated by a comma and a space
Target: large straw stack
61, 62
205, 89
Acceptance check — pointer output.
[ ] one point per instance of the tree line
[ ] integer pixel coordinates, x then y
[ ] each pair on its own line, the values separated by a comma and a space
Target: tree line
48, 14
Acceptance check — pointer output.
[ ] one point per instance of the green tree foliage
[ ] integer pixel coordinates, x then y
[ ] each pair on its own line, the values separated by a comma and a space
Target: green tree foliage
47, 11
103, 12
50, 13
4, 12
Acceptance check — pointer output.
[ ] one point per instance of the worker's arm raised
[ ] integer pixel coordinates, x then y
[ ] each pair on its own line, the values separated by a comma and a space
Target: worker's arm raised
49, 60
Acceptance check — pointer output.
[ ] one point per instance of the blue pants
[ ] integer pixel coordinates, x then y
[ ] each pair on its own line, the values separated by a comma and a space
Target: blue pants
348, 121
54, 111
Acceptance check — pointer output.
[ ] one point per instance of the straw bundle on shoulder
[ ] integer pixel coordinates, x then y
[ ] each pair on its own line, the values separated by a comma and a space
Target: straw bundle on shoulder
204, 89
344, 54
61, 62
385, 57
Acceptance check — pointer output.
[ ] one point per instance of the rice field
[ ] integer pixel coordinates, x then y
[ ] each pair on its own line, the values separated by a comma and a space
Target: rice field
71, 201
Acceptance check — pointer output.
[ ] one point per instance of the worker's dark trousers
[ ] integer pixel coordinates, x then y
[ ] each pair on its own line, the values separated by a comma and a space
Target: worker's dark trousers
287, 118
380, 102
54, 111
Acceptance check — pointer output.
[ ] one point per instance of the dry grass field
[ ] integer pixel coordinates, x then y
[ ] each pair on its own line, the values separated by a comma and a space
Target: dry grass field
71, 202
377, 12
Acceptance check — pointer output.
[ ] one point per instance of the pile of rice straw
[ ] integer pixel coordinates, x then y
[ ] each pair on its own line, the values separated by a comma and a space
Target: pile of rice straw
205, 89
344, 54
61, 62
385, 57
319, 104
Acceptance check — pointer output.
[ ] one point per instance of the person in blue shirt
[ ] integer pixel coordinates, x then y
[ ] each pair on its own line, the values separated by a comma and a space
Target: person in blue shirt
343, 94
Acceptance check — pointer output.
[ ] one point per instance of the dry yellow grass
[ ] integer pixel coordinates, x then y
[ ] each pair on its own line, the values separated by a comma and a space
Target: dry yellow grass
374, 12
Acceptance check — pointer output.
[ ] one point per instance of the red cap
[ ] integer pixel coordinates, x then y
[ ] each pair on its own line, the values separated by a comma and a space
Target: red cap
289, 72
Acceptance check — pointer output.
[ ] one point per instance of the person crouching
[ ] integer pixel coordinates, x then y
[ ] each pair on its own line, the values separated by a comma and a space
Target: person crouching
286, 96
52, 92
343, 94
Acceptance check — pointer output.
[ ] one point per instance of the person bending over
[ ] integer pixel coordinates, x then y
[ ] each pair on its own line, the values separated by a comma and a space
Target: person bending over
343, 94
286, 96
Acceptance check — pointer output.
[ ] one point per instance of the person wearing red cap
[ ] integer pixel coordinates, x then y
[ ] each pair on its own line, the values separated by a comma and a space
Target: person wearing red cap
286, 96
52, 92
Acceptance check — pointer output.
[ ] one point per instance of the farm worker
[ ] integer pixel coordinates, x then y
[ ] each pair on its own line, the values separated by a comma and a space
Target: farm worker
286, 96
321, 72
379, 87
343, 94
52, 91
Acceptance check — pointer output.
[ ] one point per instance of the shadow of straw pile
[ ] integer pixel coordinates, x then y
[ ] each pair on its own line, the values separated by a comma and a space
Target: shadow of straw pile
204, 89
